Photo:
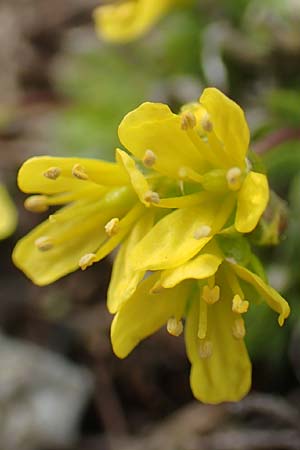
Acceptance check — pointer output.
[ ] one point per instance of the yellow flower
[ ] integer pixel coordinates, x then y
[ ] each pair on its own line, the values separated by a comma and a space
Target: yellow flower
126, 20
200, 172
99, 209
8, 214
211, 294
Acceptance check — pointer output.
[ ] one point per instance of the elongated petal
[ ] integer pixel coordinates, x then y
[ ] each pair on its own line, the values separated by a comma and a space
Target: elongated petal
124, 279
137, 179
153, 126
252, 200
31, 178
229, 124
54, 248
202, 266
270, 295
69, 241
173, 240
226, 374
127, 20
8, 214
144, 313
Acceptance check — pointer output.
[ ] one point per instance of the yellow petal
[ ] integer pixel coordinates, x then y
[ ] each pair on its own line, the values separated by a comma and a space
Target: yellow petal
8, 214
229, 124
202, 266
252, 200
71, 240
127, 20
32, 179
270, 295
74, 231
124, 279
144, 313
153, 126
137, 179
226, 374
177, 237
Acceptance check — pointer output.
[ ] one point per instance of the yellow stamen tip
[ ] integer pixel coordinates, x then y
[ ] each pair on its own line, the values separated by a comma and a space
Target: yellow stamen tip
182, 173
44, 243
188, 120
174, 327
52, 173
201, 232
238, 328
79, 172
36, 203
149, 158
205, 349
239, 305
206, 123
151, 197
87, 260
234, 178
211, 295
112, 227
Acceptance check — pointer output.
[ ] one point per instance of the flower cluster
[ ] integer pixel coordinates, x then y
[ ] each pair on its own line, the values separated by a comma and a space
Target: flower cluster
180, 203
126, 20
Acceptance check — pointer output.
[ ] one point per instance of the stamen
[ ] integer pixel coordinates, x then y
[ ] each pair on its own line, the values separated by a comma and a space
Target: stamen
36, 203
239, 305
248, 164
44, 243
188, 120
87, 260
112, 227
149, 158
79, 172
202, 231
231, 260
151, 197
238, 328
234, 178
182, 173
174, 326
211, 295
202, 326
206, 123
205, 349
52, 173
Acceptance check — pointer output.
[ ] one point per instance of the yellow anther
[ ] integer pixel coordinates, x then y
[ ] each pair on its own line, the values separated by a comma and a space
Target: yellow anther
79, 172
151, 197
36, 203
52, 173
201, 232
149, 158
112, 227
182, 173
44, 243
87, 260
174, 326
205, 349
206, 123
211, 295
188, 120
239, 305
234, 178
238, 328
